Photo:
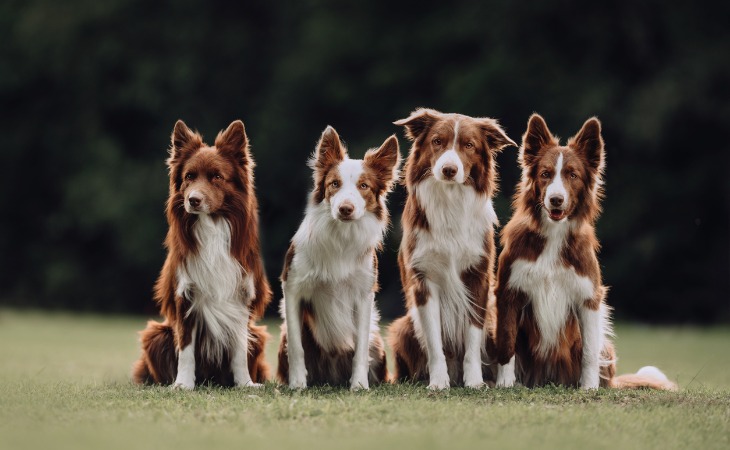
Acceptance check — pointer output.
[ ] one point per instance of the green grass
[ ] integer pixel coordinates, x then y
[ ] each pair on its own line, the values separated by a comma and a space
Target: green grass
64, 383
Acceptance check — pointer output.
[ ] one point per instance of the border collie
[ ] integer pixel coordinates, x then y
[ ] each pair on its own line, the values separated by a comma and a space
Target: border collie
551, 308
212, 287
330, 333
447, 252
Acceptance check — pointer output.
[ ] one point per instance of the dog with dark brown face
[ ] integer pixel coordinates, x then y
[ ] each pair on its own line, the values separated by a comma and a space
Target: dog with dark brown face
212, 287
447, 252
553, 324
330, 277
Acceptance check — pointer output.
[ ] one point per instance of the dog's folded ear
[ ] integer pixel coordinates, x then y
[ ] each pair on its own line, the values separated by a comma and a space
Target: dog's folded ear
589, 144
535, 138
233, 142
329, 151
494, 134
418, 122
183, 140
385, 160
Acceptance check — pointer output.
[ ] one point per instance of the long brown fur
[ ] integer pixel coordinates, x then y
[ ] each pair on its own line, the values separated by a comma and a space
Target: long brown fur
233, 198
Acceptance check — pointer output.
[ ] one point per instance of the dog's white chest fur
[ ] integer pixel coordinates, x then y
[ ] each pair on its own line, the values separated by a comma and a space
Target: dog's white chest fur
216, 286
332, 269
459, 219
554, 290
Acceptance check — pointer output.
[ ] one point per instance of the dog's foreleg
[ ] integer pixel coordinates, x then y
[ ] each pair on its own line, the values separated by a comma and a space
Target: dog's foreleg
239, 360
473, 357
590, 331
430, 318
295, 351
185, 378
360, 365
508, 302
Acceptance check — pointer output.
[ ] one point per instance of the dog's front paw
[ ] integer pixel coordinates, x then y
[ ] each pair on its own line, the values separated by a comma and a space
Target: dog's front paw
505, 377
249, 384
475, 384
439, 381
589, 378
359, 384
183, 385
297, 381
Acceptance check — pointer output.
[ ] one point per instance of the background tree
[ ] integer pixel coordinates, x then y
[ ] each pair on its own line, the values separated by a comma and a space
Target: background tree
90, 91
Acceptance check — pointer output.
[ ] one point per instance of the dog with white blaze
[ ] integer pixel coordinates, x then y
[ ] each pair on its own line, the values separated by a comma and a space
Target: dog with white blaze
330, 333
553, 323
447, 253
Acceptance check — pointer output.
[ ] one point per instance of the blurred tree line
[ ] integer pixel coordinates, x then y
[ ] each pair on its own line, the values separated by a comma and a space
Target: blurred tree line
90, 91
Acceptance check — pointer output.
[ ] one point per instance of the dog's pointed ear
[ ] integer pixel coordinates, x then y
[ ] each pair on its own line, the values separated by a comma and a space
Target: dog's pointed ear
329, 151
233, 142
494, 134
589, 143
385, 160
418, 122
183, 139
535, 138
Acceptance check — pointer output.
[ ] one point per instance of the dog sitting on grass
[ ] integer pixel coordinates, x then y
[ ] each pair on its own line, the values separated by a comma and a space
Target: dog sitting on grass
330, 276
212, 288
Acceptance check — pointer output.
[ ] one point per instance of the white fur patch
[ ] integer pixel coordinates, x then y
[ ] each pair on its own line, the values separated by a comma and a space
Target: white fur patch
459, 219
185, 378
554, 290
350, 171
556, 186
451, 156
215, 284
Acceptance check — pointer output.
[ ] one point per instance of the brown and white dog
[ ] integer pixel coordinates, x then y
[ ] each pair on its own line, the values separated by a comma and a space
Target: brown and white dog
551, 309
331, 334
212, 287
447, 252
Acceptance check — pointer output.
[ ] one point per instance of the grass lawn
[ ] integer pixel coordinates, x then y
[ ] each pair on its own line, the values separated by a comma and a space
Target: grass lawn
64, 383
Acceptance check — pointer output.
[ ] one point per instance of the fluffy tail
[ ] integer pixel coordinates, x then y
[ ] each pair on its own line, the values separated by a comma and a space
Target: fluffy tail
647, 377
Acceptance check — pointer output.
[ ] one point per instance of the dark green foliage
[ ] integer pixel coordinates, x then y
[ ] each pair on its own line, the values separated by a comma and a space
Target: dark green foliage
90, 92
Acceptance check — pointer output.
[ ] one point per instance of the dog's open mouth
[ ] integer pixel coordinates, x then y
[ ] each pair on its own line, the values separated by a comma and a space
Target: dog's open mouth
556, 214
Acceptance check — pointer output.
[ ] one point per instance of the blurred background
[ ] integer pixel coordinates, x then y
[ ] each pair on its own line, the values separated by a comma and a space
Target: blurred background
90, 92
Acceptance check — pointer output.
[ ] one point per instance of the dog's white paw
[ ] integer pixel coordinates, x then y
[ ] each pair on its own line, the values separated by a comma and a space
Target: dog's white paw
359, 384
297, 381
475, 384
589, 382
249, 384
183, 385
505, 379
439, 381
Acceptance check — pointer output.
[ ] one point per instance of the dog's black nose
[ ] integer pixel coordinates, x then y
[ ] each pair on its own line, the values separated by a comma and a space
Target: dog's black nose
449, 171
346, 209
556, 200
194, 201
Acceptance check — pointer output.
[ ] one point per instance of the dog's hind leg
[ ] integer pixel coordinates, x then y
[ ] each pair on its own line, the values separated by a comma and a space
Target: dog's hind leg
157, 364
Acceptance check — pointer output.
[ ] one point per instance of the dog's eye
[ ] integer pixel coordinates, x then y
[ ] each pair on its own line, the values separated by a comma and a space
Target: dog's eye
363, 186
335, 184
469, 145
573, 175
189, 176
436, 141
217, 177
545, 174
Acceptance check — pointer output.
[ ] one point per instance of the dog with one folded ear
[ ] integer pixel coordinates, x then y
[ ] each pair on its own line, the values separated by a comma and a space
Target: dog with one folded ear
330, 333
447, 253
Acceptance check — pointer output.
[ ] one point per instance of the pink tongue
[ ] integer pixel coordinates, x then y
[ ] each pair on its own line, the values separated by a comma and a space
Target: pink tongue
556, 214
